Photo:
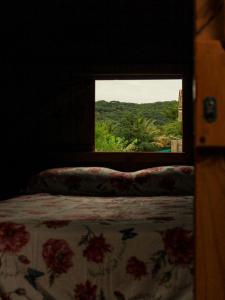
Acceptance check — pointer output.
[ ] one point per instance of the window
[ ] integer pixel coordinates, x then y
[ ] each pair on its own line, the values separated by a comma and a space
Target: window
118, 158
138, 115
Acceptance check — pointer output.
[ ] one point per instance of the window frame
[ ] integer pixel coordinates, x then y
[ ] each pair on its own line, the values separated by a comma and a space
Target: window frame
85, 155
123, 159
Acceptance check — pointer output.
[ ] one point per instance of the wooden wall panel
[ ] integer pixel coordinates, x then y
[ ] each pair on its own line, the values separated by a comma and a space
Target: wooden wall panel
65, 120
44, 47
45, 108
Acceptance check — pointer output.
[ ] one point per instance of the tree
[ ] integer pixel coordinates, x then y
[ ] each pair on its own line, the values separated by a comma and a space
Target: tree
106, 141
122, 126
173, 129
140, 130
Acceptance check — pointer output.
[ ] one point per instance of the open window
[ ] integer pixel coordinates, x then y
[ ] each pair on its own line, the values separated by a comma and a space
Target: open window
174, 148
139, 115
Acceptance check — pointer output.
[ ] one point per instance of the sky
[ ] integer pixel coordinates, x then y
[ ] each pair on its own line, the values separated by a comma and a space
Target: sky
137, 91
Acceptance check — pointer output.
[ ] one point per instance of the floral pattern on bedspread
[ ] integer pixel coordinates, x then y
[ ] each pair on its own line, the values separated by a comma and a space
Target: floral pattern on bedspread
96, 248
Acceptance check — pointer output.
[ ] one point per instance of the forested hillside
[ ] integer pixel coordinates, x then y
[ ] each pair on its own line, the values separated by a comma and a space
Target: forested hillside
122, 126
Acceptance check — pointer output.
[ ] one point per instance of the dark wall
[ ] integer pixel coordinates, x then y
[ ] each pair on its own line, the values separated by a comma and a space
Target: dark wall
50, 55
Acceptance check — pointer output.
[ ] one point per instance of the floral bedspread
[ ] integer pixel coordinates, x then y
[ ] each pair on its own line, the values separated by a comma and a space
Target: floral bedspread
96, 248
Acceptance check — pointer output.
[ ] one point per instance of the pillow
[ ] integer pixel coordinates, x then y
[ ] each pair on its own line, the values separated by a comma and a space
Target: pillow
98, 181
168, 180
81, 181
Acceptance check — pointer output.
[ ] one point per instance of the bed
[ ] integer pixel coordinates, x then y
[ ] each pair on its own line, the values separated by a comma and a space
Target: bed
99, 234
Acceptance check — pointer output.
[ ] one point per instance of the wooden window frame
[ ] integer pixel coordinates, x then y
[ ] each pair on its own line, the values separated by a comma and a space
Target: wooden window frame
85, 155
122, 160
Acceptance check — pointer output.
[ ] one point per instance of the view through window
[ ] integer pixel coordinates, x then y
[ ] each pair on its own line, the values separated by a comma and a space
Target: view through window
138, 115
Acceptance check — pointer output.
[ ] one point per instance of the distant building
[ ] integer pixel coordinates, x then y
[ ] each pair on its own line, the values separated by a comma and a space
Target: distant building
180, 106
176, 145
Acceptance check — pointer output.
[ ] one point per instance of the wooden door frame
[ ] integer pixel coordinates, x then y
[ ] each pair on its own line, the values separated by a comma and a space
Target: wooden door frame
209, 151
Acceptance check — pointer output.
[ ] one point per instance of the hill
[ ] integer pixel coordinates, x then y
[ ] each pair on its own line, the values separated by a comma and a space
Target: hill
159, 112
122, 126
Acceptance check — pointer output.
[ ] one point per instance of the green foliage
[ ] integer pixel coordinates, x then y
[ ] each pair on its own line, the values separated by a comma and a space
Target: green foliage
106, 141
131, 127
173, 129
160, 112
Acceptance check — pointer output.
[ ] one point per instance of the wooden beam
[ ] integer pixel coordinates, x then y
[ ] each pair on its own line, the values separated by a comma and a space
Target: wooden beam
209, 22
210, 79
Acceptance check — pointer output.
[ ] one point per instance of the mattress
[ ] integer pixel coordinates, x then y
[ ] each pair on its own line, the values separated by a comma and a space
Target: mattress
63, 247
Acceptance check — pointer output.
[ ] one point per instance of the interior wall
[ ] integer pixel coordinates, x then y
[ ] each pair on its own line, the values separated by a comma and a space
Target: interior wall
50, 53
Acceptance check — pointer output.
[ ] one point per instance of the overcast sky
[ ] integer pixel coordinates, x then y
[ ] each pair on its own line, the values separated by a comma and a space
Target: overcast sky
137, 91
